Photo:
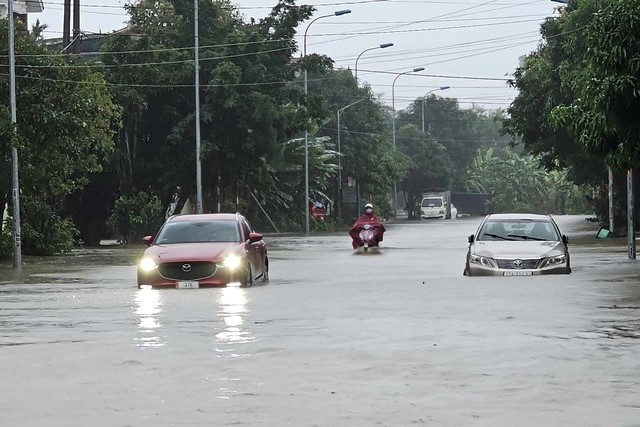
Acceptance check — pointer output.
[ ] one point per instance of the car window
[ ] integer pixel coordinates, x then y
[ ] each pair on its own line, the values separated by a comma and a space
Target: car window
544, 231
493, 231
522, 230
246, 229
198, 232
432, 203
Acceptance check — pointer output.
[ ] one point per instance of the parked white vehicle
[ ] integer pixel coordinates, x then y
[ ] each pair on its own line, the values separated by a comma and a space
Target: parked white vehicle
436, 205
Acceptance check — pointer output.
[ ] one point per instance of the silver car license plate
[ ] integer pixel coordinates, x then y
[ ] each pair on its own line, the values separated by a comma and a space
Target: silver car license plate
517, 273
187, 285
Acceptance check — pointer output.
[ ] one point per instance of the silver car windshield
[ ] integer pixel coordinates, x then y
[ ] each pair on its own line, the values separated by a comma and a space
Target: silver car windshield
523, 230
198, 232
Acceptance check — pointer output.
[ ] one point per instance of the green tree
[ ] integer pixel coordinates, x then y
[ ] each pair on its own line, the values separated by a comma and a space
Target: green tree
605, 109
577, 99
429, 166
461, 131
542, 85
136, 216
248, 105
368, 155
65, 122
519, 183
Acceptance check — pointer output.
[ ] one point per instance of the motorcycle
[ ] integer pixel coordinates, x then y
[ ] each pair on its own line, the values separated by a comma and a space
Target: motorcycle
368, 237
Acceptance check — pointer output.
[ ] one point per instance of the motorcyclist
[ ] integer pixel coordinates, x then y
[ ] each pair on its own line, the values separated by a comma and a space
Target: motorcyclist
368, 217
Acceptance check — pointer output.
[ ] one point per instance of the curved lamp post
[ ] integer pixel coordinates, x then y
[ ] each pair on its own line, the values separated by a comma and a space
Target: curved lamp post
382, 46
393, 131
427, 94
306, 132
340, 156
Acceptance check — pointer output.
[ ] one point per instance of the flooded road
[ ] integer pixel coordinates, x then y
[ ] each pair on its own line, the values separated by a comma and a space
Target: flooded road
393, 338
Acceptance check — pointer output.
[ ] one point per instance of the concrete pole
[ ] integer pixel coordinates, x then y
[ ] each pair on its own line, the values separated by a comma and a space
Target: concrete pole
339, 194
15, 186
66, 25
631, 232
199, 208
610, 190
75, 44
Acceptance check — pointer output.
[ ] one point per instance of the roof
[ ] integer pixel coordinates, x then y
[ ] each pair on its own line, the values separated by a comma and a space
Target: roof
205, 217
22, 7
519, 216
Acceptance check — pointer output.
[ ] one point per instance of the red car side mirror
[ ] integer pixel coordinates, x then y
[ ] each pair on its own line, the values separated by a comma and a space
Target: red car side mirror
254, 237
147, 240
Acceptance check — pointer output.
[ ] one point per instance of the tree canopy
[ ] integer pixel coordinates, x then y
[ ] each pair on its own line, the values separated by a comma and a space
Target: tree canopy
64, 133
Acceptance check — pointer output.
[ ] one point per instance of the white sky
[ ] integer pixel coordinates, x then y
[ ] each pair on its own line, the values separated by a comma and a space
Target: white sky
473, 40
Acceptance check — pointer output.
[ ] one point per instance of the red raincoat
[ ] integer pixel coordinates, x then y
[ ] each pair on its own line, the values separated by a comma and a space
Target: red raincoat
366, 218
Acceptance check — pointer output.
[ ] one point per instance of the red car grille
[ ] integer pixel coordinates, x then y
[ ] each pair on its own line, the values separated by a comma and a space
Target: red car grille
187, 270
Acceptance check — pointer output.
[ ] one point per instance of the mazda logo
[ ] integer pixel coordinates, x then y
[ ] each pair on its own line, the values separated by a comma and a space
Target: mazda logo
517, 263
186, 268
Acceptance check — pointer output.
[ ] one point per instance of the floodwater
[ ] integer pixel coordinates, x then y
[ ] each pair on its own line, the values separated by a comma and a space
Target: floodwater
396, 337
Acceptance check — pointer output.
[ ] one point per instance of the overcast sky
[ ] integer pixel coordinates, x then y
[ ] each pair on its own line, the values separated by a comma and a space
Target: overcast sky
470, 45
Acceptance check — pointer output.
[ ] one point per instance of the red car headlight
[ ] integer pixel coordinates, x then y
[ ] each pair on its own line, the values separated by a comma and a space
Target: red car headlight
147, 264
231, 261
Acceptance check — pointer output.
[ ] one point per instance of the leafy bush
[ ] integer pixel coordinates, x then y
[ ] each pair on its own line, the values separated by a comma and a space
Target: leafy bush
6, 243
57, 236
135, 216
43, 232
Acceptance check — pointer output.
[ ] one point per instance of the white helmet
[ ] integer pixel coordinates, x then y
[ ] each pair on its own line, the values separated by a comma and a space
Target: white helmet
368, 205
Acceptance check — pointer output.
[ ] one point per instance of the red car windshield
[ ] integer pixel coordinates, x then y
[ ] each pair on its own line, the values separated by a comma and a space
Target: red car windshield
198, 232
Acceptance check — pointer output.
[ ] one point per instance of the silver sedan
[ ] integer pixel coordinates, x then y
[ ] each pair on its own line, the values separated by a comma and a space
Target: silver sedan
517, 245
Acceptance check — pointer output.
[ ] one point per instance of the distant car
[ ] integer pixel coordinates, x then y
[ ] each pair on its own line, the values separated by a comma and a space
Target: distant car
433, 207
203, 250
517, 245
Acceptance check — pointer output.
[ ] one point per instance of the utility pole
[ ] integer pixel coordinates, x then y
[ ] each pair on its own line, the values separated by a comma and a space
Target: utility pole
631, 231
76, 27
15, 187
66, 25
196, 36
610, 191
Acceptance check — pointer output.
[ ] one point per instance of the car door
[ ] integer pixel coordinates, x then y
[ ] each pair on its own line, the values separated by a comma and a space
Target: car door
255, 250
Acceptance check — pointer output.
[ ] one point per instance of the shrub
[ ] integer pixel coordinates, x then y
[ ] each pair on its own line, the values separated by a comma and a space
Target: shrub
135, 216
42, 231
6, 243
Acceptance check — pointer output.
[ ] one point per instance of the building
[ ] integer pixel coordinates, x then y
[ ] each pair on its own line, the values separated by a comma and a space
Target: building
21, 8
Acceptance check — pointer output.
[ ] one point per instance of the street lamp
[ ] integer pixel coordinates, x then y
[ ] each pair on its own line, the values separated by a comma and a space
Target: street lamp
340, 155
393, 131
427, 94
382, 46
306, 132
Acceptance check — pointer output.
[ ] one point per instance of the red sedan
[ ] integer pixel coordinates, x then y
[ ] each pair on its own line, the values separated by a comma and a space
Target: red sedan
203, 250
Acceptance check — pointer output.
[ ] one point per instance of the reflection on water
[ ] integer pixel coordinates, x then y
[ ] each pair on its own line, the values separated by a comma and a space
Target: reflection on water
232, 308
148, 306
